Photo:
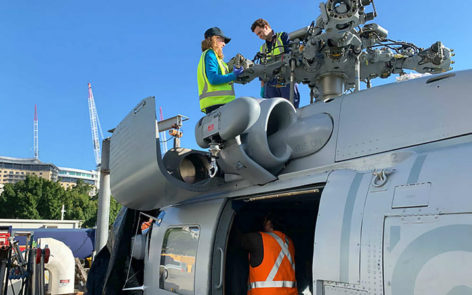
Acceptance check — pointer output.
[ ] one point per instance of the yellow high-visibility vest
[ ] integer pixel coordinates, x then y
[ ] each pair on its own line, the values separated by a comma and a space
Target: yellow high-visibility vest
211, 94
277, 49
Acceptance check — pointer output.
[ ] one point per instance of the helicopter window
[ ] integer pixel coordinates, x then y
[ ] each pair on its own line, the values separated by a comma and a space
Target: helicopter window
177, 267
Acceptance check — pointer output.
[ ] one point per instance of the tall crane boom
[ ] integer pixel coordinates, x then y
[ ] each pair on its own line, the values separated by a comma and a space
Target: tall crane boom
95, 125
35, 134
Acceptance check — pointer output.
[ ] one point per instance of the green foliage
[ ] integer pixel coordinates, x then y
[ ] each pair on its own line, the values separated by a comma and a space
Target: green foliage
38, 198
115, 208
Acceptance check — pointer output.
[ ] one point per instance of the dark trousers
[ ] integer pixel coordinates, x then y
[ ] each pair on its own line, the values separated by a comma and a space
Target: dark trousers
271, 90
212, 108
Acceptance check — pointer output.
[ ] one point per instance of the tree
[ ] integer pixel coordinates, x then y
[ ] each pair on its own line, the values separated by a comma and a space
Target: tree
80, 206
115, 208
39, 198
20, 200
50, 195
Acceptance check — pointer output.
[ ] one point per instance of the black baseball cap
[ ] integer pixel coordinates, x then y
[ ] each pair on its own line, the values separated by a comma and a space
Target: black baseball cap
215, 31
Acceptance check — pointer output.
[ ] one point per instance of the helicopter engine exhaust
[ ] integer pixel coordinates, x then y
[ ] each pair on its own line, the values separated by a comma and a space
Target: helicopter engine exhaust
280, 134
276, 115
258, 137
187, 165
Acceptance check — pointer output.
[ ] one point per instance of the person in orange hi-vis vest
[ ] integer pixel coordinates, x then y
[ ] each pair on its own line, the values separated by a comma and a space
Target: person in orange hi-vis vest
271, 261
145, 226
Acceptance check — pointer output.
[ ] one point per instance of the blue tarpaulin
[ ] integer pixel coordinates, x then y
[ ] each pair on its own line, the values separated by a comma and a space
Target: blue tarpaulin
81, 240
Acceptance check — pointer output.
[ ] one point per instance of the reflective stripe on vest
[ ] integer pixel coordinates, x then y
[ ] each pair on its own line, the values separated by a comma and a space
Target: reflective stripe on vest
275, 284
269, 281
283, 253
277, 48
210, 94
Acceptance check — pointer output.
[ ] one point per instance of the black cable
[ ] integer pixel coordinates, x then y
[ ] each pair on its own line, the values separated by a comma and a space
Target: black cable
390, 46
407, 44
393, 42
166, 139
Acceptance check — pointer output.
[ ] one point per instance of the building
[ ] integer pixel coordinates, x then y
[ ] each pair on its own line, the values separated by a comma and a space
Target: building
13, 170
68, 177
44, 223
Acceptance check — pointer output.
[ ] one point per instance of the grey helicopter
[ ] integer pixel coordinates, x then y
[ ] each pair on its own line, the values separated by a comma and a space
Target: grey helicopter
372, 184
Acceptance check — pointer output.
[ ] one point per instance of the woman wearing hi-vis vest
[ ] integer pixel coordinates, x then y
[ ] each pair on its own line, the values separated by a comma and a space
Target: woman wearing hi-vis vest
215, 82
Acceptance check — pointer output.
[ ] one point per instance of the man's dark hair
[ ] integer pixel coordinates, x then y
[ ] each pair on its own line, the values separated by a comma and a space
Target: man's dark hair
259, 23
276, 221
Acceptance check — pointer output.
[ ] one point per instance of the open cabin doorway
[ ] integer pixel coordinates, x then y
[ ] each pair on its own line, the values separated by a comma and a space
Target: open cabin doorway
296, 210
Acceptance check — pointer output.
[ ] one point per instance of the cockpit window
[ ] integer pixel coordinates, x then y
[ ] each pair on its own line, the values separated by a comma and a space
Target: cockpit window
177, 268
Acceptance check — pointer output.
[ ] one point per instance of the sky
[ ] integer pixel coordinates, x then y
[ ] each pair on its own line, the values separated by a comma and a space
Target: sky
129, 50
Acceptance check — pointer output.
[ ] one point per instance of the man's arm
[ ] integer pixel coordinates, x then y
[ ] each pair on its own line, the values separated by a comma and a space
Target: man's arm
252, 242
284, 38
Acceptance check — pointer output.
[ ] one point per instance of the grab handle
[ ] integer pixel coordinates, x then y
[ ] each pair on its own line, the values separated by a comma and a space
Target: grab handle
220, 284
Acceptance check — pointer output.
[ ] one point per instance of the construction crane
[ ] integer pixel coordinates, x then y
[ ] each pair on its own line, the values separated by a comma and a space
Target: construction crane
35, 134
95, 125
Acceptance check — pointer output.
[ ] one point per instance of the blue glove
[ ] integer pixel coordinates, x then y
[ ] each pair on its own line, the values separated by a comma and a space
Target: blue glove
238, 71
262, 91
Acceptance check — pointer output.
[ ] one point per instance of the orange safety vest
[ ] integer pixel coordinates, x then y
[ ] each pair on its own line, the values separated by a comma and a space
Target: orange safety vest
276, 274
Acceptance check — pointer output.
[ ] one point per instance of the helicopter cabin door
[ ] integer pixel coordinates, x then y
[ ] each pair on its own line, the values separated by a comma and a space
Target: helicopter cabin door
336, 261
180, 250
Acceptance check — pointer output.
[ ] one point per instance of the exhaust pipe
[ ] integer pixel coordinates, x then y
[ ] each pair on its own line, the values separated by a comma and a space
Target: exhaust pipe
188, 165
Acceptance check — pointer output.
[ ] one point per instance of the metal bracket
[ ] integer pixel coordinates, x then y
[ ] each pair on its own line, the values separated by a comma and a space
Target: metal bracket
381, 177
160, 217
171, 123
